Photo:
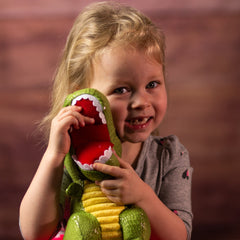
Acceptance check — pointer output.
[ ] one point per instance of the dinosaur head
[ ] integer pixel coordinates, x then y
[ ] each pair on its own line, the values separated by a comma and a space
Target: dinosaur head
95, 142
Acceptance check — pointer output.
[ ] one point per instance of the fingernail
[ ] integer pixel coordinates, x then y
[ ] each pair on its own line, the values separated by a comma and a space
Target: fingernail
97, 182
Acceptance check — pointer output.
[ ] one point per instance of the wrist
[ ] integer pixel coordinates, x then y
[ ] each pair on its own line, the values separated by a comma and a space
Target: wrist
146, 197
54, 157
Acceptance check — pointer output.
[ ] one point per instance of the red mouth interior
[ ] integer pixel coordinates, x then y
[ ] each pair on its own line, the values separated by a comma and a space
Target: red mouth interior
89, 110
90, 142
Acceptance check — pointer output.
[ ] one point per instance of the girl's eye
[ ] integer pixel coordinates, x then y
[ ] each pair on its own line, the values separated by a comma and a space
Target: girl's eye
120, 90
153, 84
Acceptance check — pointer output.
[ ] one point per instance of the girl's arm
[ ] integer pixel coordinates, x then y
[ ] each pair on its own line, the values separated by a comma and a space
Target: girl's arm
40, 211
128, 188
164, 223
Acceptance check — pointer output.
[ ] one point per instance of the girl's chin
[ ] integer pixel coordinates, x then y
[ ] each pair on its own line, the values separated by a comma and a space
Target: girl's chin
135, 134
135, 138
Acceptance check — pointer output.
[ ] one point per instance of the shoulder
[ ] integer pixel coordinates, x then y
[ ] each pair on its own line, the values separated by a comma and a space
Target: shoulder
171, 144
173, 152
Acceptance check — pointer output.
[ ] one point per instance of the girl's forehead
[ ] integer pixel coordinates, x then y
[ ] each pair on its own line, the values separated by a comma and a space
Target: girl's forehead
151, 53
124, 62
115, 60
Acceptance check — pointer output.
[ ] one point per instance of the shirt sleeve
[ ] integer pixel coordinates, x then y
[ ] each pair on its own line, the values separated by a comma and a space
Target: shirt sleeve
175, 190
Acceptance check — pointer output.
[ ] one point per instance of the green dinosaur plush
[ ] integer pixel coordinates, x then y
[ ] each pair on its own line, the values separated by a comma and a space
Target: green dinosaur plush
93, 215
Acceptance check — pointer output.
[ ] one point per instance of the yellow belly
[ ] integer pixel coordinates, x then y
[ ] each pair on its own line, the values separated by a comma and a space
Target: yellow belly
107, 212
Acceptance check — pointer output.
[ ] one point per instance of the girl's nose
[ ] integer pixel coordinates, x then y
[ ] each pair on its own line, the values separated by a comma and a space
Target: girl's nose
140, 101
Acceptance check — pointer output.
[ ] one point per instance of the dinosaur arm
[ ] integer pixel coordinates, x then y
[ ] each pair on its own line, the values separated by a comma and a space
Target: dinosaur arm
66, 181
74, 183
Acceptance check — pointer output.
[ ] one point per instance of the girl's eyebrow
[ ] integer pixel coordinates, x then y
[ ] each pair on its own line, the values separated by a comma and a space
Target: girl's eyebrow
116, 83
120, 79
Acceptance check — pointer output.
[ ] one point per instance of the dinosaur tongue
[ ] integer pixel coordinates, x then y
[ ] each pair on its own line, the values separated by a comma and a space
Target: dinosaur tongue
91, 142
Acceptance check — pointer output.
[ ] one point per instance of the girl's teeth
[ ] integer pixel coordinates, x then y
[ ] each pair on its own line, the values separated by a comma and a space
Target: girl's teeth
139, 121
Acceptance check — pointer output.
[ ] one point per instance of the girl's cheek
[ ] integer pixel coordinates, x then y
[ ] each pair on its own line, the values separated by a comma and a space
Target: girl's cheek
115, 120
114, 108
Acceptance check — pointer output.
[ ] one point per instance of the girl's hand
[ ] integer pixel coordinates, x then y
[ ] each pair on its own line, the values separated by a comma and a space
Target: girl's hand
126, 188
68, 117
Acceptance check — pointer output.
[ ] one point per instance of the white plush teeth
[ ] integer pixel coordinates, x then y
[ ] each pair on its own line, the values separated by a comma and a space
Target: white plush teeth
102, 159
102, 117
105, 157
82, 166
96, 103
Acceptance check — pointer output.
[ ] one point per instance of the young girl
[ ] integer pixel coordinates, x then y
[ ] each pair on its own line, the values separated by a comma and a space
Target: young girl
120, 52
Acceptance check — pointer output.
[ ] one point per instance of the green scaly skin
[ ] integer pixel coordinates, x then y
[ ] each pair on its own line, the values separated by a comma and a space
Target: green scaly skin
82, 225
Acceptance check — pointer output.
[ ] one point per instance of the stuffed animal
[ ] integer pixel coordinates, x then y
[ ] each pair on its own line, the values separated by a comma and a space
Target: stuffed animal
93, 216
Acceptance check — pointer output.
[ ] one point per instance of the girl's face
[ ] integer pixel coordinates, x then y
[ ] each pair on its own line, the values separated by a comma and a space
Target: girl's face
135, 87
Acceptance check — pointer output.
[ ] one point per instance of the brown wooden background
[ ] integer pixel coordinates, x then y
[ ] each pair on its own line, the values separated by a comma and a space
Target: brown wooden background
203, 65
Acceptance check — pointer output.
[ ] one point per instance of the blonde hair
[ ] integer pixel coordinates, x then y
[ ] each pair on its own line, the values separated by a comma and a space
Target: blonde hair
101, 25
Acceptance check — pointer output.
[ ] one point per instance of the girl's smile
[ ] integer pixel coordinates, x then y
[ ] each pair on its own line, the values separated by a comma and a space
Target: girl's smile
134, 85
138, 123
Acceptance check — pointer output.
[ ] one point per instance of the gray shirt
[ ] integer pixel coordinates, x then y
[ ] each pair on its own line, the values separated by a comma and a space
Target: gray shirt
164, 165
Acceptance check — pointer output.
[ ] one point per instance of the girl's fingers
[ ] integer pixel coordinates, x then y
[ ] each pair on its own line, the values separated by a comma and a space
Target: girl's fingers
117, 172
75, 118
114, 199
89, 120
110, 185
107, 169
66, 110
111, 190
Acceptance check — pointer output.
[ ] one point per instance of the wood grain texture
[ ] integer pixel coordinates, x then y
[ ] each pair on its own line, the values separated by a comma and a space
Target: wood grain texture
203, 84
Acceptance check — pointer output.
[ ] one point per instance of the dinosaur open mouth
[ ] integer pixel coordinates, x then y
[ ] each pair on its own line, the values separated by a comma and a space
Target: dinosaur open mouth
91, 143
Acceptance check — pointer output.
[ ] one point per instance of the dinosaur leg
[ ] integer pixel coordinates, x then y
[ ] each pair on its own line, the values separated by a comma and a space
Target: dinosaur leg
135, 224
82, 226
